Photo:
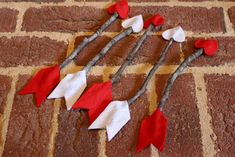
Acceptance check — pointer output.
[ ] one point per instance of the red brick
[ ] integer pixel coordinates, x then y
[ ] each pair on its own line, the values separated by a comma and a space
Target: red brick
4, 89
29, 126
36, 1
225, 54
231, 13
196, 19
8, 19
66, 19
221, 100
124, 143
73, 137
148, 53
30, 51
183, 132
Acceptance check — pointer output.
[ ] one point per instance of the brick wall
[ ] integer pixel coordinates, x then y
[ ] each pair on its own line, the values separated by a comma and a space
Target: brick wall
201, 108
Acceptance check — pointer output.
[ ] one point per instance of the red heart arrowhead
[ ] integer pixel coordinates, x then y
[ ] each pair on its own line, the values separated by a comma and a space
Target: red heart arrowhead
42, 83
121, 8
156, 20
95, 99
209, 46
153, 131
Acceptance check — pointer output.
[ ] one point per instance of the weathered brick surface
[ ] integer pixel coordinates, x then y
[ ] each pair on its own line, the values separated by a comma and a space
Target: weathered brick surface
4, 89
36, 1
148, 53
66, 19
8, 19
124, 143
231, 13
30, 51
73, 138
183, 132
224, 55
196, 19
221, 102
29, 126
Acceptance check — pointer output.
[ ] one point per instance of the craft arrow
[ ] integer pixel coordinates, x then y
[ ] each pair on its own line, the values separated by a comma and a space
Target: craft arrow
99, 95
136, 23
153, 128
72, 89
42, 83
47, 79
176, 33
113, 118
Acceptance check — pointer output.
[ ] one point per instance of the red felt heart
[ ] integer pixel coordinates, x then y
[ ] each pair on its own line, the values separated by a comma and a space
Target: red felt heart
153, 131
156, 20
42, 83
209, 46
121, 8
95, 99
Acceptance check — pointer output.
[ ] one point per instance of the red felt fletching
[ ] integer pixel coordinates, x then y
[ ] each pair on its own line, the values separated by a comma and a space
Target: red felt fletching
209, 46
156, 20
42, 83
95, 99
121, 7
153, 131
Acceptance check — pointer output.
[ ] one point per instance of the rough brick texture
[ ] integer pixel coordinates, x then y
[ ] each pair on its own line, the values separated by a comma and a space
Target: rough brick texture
73, 138
30, 51
8, 19
66, 19
124, 143
148, 53
4, 89
231, 13
183, 117
221, 102
29, 126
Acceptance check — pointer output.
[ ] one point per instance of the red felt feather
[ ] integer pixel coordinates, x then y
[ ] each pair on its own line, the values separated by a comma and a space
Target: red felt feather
209, 46
42, 83
156, 20
95, 99
121, 8
153, 131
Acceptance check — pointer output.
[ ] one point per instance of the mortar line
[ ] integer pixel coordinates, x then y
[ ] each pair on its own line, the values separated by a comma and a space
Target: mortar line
207, 133
7, 112
228, 24
54, 127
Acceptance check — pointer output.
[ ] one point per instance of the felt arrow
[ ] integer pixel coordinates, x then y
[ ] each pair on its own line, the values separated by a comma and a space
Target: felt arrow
72, 94
156, 20
110, 118
47, 79
121, 7
42, 83
153, 128
71, 88
136, 23
99, 95
209, 46
153, 131
176, 33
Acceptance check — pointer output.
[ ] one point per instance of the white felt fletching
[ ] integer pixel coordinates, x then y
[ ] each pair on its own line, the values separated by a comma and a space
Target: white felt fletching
71, 88
176, 33
113, 118
136, 23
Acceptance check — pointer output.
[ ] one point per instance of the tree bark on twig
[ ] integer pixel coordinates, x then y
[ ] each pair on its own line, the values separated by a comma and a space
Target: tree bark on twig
152, 72
133, 53
88, 40
107, 48
174, 76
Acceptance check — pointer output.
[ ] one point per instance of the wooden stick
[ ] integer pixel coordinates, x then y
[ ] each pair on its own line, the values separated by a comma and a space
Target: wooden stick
107, 48
133, 53
152, 72
86, 40
174, 76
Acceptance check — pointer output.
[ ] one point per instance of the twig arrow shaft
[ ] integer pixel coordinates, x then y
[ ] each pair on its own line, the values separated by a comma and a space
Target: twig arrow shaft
174, 76
133, 53
152, 72
86, 41
107, 48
